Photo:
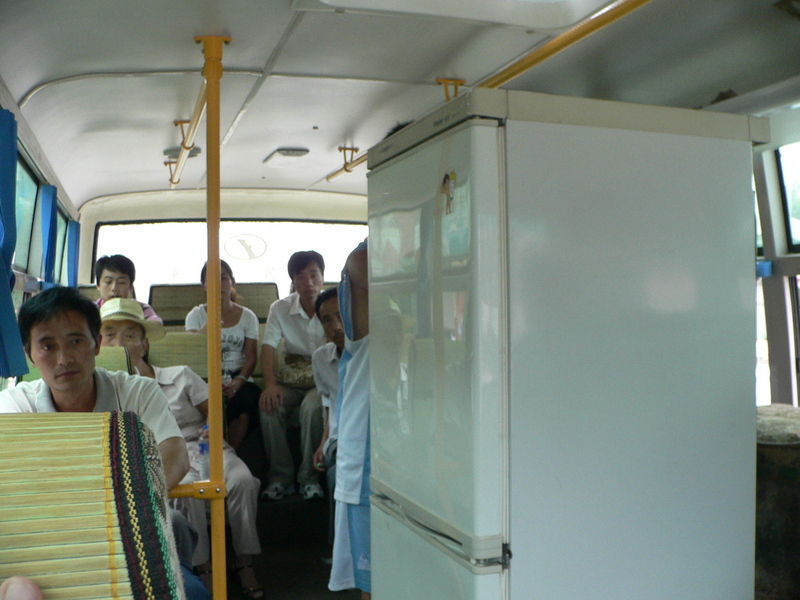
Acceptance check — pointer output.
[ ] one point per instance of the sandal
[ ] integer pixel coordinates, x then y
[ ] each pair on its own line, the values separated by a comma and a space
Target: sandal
253, 592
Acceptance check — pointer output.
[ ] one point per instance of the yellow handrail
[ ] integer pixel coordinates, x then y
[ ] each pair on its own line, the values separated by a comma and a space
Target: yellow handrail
212, 71
605, 16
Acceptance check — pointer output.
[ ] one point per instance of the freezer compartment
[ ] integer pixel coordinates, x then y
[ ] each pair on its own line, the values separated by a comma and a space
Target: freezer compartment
417, 563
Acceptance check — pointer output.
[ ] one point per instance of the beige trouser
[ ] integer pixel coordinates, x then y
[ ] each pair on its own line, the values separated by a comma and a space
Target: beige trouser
300, 407
241, 504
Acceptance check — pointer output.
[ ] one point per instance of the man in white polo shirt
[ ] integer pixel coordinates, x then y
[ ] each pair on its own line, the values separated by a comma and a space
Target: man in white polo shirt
290, 394
60, 330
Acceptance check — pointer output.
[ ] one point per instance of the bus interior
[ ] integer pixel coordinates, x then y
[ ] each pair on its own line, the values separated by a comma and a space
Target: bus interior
109, 102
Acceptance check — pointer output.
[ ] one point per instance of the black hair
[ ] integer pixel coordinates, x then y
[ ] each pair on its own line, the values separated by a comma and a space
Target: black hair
223, 265
397, 127
324, 296
118, 263
300, 260
52, 303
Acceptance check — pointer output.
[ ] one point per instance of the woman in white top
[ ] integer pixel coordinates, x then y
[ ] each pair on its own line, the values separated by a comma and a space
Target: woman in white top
239, 355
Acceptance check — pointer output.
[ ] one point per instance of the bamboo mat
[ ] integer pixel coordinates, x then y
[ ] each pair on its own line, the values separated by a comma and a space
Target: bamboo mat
82, 512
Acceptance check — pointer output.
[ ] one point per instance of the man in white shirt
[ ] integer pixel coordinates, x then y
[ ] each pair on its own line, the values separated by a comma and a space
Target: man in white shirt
60, 329
291, 319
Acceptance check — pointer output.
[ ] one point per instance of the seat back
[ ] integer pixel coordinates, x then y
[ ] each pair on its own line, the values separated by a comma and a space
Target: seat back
90, 291
258, 297
181, 348
172, 302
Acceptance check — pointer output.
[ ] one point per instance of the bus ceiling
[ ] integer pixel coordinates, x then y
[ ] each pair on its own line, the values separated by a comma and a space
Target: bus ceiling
102, 89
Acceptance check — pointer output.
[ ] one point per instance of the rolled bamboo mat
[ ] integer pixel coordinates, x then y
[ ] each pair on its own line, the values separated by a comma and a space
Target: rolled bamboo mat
83, 507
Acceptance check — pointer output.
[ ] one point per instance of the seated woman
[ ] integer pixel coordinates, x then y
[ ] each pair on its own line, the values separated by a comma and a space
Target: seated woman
123, 324
239, 355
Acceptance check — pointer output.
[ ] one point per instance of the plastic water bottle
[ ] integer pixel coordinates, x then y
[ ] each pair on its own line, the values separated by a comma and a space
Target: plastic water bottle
205, 471
226, 377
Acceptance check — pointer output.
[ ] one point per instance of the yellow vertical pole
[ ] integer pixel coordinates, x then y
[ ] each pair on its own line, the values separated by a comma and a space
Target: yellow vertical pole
212, 71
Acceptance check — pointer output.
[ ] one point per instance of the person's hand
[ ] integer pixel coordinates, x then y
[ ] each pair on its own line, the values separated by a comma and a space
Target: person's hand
319, 460
230, 390
271, 398
20, 588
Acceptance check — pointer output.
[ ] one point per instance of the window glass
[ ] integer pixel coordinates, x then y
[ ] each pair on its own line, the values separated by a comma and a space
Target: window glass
36, 256
789, 158
256, 250
61, 239
759, 237
763, 392
25, 204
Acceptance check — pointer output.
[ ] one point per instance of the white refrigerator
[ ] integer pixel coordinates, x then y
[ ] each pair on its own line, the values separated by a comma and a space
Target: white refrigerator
562, 344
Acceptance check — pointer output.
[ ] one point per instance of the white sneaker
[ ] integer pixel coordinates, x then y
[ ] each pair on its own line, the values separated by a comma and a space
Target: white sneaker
277, 491
311, 491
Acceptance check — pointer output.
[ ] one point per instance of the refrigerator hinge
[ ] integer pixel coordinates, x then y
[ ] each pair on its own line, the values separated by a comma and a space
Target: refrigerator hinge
504, 560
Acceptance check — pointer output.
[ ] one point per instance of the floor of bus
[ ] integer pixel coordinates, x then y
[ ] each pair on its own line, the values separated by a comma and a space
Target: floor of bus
295, 553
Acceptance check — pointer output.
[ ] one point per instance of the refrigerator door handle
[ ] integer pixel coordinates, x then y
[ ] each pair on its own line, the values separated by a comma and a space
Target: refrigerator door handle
443, 542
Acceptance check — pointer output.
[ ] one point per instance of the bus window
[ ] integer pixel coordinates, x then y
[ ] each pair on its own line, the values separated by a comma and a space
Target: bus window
763, 391
25, 205
60, 275
759, 236
789, 160
174, 252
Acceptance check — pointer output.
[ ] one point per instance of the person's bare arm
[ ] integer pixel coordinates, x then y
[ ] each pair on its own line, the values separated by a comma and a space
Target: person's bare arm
250, 357
357, 270
175, 459
319, 455
272, 396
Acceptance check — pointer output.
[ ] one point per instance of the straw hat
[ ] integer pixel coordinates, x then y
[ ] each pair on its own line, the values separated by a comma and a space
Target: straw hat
125, 309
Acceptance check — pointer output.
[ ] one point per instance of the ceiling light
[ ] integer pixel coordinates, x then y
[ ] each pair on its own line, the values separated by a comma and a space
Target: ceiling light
283, 157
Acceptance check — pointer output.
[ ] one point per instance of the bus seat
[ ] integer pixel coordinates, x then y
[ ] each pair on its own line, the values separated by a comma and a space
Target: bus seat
184, 348
111, 358
181, 348
90, 291
172, 302
258, 297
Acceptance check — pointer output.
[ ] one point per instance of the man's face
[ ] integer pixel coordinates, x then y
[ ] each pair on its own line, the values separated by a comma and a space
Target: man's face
63, 350
308, 282
332, 322
113, 284
127, 334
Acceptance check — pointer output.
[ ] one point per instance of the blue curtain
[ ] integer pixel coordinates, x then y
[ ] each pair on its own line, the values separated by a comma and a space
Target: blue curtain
12, 357
73, 241
49, 208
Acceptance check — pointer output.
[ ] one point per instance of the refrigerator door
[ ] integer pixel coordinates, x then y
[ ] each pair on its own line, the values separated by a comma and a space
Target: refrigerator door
417, 564
631, 286
438, 374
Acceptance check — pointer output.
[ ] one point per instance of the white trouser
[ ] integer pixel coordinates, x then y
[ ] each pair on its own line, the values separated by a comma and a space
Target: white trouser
241, 504
342, 567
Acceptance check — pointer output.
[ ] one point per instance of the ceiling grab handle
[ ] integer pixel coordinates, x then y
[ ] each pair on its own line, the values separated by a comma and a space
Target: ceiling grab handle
446, 82
188, 135
349, 165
